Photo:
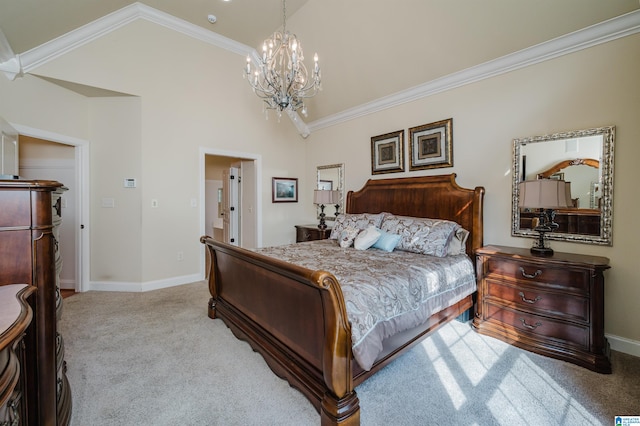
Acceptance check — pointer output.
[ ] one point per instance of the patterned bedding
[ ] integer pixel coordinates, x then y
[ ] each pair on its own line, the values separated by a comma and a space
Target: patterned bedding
385, 293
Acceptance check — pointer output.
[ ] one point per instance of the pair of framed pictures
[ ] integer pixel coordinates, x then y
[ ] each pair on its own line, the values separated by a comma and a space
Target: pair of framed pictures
430, 147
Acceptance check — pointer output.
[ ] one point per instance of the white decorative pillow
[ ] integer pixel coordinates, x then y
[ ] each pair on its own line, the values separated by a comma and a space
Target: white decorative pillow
347, 236
366, 238
420, 235
359, 221
458, 242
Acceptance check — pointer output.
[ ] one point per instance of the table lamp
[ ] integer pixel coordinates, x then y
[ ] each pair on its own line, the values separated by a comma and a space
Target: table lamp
322, 197
545, 195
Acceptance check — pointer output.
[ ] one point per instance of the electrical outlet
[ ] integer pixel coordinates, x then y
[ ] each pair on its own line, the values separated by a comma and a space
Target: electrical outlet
180, 256
154, 203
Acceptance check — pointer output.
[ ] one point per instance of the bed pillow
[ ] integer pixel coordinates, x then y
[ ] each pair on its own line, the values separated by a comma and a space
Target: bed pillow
360, 221
348, 236
420, 235
387, 242
366, 238
458, 242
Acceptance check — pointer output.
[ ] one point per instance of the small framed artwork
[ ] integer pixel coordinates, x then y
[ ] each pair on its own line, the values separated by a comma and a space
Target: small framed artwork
325, 184
431, 145
284, 190
387, 153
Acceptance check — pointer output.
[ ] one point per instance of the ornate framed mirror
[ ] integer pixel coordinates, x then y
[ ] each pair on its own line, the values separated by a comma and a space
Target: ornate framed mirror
585, 159
331, 177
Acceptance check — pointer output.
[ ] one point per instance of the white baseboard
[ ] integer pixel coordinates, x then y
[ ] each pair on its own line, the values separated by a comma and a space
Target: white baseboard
622, 344
68, 284
145, 286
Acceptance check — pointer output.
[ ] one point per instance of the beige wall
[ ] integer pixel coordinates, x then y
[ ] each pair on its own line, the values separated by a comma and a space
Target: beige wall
595, 87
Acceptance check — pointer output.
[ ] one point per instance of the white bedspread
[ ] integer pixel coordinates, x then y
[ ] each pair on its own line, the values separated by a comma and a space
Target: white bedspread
385, 293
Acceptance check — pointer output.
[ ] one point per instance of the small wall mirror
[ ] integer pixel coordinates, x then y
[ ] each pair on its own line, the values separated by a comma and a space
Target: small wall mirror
585, 159
331, 177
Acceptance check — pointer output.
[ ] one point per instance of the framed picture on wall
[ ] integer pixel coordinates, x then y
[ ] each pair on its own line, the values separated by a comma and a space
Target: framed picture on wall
284, 190
431, 145
387, 153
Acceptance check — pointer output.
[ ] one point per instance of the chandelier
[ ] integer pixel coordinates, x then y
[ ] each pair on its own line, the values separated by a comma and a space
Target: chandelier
281, 78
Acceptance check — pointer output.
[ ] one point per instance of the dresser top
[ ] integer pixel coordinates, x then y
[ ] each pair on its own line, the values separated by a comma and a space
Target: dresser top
558, 257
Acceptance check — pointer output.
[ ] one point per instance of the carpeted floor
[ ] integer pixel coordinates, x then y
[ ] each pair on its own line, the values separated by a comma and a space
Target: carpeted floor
155, 358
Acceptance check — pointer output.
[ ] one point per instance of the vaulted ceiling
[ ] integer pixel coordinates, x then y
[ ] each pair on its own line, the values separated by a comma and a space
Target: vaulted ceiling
368, 49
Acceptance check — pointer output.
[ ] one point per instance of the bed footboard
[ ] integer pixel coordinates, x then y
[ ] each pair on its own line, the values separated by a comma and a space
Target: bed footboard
295, 317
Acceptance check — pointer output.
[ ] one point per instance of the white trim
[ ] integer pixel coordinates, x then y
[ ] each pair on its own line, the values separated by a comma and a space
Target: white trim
257, 158
145, 286
594, 35
622, 344
52, 49
81, 153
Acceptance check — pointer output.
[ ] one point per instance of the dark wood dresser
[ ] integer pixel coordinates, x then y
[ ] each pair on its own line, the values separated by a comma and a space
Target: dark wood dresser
311, 233
552, 306
30, 212
15, 318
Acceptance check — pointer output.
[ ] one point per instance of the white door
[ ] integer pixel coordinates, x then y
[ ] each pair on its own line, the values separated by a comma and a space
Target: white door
230, 207
8, 154
62, 171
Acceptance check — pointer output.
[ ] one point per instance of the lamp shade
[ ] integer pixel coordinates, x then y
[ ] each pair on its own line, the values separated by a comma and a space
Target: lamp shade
336, 197
544, 194
322, 196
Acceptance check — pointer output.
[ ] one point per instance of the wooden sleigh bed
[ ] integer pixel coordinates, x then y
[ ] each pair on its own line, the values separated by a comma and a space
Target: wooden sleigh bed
296, 317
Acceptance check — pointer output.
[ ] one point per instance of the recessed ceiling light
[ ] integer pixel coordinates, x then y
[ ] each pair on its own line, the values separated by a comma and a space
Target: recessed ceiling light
212, 18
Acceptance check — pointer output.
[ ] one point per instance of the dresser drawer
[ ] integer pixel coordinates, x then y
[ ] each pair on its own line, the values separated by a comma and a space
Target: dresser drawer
541, 327
533, 299
543, 275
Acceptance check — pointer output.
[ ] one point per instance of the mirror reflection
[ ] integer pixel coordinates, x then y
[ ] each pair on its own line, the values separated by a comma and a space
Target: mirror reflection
582, 158
331, 177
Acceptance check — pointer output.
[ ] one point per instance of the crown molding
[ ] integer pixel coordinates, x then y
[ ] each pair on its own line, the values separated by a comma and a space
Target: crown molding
57, 47
612, 29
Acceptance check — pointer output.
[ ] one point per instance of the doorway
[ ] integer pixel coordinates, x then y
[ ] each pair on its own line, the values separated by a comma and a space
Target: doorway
213, 165
73, 172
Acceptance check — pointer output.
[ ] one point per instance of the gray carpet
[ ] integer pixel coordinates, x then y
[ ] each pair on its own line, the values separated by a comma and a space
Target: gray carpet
155, 358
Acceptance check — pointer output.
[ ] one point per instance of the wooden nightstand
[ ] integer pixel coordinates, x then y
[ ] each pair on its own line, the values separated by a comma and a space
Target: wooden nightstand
552, 306
311, 233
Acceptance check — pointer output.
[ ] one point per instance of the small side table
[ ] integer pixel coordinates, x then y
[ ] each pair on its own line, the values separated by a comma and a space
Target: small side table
311, 233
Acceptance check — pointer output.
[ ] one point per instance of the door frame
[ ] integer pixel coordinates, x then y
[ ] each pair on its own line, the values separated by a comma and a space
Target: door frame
81, 163
257, 159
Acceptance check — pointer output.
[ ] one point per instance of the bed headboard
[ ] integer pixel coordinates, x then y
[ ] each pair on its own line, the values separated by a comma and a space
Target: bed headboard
437, 197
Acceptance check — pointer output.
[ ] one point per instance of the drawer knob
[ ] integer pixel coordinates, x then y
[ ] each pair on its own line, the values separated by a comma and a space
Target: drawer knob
535, 274
529, 326
524, 299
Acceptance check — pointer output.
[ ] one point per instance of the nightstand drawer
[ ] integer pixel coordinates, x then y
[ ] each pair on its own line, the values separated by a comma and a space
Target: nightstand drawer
542, 327
564, 278
533, 299
311, 233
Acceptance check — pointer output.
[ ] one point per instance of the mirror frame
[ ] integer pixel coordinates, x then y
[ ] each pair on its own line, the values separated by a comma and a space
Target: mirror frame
606, 164
340, 186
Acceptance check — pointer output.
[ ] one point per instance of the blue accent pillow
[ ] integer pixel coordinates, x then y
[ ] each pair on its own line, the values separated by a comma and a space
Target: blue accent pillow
387, 242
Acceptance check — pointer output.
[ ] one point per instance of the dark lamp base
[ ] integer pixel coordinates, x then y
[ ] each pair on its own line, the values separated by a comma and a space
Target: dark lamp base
541, 251
322, 226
